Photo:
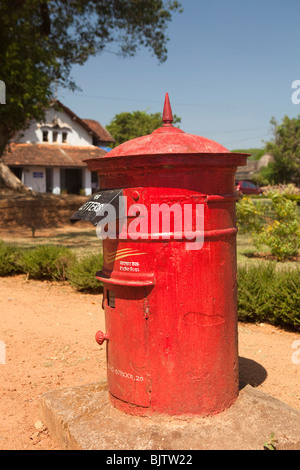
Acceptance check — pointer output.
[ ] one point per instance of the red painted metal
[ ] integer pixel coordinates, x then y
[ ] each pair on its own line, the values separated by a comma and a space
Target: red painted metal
171, 312
101, 337
167, 117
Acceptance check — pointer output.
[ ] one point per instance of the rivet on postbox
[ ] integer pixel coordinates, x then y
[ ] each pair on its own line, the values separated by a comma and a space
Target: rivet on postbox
135, 195
101, 337
173, 321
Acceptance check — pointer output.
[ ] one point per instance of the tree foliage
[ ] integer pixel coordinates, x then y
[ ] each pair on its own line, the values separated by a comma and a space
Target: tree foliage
42, 39
255, 154
285, 149
126, 126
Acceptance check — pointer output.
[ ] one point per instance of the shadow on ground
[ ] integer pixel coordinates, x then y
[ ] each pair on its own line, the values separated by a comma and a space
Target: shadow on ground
251, 373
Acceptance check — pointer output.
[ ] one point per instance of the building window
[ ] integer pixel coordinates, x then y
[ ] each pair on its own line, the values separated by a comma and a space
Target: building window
45, 136
64, 137
54, 136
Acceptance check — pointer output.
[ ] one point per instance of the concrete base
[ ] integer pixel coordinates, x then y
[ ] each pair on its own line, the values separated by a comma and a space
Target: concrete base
82, 418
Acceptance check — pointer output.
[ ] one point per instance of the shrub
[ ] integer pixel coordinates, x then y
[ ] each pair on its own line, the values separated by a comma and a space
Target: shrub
82, 273
255, 291
281, 235
269, 295
9, 259
250, 214
47, 262
275, 225
285, 301
293, 197
286, 189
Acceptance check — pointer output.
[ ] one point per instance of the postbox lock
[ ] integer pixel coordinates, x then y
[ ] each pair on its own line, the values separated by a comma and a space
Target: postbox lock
101, 337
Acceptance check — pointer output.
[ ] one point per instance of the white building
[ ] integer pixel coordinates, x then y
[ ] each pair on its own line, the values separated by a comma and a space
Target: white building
48, 156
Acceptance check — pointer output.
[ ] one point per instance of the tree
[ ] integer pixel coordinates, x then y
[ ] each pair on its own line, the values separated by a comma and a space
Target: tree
42, 39
255, 154
285, 148
126, 126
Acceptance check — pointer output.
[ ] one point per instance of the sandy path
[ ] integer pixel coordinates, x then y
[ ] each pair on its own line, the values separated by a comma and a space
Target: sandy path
49, 329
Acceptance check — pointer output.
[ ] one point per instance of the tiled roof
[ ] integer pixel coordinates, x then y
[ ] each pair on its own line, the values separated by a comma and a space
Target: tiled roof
50, 155
94, 127
100, 131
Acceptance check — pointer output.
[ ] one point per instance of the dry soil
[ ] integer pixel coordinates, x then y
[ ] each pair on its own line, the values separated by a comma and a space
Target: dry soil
47, 334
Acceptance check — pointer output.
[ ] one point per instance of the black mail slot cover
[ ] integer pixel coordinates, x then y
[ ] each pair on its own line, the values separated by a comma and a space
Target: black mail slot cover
97, 207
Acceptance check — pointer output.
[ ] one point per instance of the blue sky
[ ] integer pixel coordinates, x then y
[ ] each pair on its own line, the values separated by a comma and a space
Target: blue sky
230, 68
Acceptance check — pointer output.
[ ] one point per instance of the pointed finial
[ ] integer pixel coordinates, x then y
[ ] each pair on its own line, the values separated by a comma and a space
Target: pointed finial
167, 113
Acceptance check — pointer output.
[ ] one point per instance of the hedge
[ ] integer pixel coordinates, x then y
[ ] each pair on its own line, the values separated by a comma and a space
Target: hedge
81, 273
46, 262
267, 294
9, 259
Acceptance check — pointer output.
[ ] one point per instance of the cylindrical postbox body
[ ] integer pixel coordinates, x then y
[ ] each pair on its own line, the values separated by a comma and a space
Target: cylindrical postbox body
170, 277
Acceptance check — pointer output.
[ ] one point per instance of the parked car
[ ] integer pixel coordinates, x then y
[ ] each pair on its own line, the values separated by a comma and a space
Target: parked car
247, 187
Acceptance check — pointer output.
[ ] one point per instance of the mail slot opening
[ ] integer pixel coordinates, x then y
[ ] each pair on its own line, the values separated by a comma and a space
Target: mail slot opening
111, 299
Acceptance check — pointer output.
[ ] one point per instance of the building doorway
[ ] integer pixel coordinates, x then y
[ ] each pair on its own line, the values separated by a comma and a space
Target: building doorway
71, 180
49, 180
18, 172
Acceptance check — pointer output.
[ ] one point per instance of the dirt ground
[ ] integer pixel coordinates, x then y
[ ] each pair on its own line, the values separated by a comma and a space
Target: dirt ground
48, 331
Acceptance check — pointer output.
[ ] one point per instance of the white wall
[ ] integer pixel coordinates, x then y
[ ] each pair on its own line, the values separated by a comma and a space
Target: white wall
77, 135
56, 181
35, 179
87, 181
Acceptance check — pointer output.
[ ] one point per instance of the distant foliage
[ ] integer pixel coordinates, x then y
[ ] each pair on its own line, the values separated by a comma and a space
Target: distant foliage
127, 126
285, 150
255, 154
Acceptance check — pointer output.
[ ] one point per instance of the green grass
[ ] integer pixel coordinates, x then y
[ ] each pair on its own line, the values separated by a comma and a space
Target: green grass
247, 254
80, 242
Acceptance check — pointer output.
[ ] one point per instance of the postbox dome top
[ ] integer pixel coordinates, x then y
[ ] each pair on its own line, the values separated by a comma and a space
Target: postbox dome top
167, 140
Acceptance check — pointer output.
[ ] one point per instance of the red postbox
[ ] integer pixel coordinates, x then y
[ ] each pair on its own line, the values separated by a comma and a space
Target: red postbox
170, 293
